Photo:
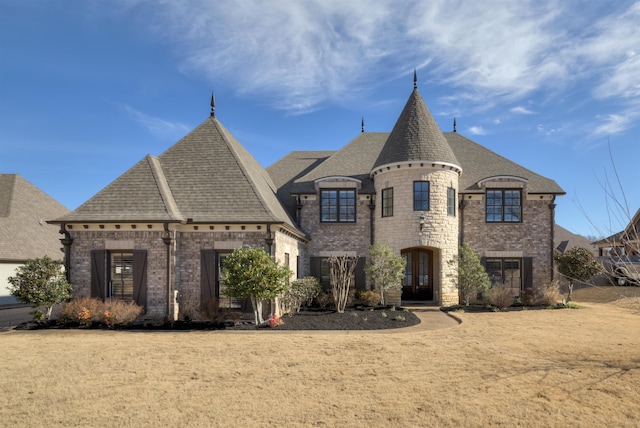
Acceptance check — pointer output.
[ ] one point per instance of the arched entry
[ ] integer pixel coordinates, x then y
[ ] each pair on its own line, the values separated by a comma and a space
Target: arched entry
418, 274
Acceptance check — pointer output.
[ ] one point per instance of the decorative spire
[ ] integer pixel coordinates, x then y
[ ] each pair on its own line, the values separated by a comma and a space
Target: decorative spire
454, 124
415, 79
213, 105
362, 123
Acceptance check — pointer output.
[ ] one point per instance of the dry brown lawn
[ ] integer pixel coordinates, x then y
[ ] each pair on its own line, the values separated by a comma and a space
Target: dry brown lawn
526, 368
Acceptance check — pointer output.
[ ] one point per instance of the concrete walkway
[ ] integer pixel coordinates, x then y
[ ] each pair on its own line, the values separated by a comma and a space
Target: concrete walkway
431, 318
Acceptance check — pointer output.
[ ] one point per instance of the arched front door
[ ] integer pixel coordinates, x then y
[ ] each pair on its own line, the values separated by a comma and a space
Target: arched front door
418, 274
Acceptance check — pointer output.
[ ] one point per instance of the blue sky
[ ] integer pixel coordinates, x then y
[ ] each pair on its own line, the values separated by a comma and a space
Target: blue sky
88, 88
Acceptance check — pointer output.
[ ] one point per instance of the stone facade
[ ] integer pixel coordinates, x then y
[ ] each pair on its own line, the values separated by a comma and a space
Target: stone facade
434, 229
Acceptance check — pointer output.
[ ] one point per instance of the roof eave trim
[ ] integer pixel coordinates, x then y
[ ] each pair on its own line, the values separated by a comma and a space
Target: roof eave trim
427, 164
337, 177
502, 177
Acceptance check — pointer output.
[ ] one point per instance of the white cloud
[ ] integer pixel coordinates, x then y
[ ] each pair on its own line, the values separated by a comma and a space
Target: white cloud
477, 130
158, 127
611, 124
612, 53
521, 110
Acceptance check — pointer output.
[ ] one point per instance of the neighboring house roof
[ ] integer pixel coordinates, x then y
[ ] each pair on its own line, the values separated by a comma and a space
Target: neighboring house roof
207, 176
565, 240
24, 234
630, 233
415, 137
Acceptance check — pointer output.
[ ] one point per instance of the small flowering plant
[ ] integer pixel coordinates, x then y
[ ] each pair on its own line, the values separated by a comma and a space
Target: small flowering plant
84, 316
275, 321
108, 318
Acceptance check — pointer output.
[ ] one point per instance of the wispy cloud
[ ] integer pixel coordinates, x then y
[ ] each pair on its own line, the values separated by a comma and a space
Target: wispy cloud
158, 127
521, 110
610, 124
301, 56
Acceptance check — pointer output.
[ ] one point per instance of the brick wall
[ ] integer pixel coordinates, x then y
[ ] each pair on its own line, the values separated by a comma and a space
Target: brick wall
531, 238
336, 236
185, 262
151, 241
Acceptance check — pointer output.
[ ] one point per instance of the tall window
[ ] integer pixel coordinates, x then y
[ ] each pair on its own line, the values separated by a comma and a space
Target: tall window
121, 278
387, 202
420, 195
504, 206
451, 201
338, 206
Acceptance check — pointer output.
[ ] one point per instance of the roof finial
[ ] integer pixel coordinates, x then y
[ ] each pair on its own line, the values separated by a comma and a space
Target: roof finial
213, 105
362, 123
454, 124
415, 79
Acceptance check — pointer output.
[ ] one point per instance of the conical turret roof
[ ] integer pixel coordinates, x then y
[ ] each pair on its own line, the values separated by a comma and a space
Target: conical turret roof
416, 137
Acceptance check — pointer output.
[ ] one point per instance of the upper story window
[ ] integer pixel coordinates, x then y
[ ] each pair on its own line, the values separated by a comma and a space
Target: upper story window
338, 206
504, 206
387, 202
420, 195
451, 202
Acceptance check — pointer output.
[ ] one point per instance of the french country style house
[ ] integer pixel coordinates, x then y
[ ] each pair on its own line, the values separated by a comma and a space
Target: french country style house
159, 233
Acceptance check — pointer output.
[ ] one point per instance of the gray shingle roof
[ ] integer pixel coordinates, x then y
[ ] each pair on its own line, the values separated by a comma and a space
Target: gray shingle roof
354, 160
207, 176
479, 163
291, 167
416, 137
24, 209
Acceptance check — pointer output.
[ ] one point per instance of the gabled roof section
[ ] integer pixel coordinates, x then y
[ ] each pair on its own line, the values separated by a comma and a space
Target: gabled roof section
24, 209
291, 167
479, 163
207, 176
354, 160
140, 194
416, 137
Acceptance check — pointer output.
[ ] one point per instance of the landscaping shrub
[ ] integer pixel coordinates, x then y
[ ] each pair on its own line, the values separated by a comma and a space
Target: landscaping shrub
301, 293
501, 297
528, 297
119, 312
549, 294
212, 311
368, 298
87, 311
325, 299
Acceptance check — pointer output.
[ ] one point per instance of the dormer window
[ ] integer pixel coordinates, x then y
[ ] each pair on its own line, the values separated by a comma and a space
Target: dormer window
337, 206
503, 206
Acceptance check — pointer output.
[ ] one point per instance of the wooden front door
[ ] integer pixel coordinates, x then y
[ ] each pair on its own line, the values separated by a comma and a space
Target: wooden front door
418, 274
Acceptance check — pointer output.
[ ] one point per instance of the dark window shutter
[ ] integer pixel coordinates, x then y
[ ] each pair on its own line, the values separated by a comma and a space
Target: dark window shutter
316, 267
207, 276
527, 272
359, 273
140, 277
98, 273
483, 262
